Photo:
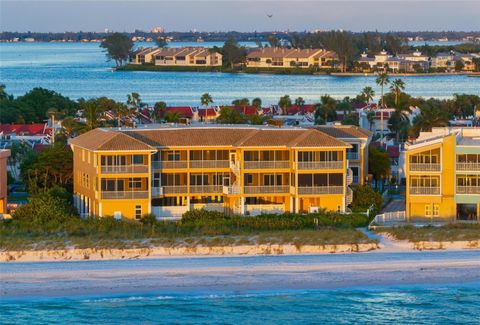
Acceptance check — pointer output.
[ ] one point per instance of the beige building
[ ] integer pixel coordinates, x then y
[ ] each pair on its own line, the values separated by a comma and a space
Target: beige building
274, 57
188, 56
4, 154
144, 55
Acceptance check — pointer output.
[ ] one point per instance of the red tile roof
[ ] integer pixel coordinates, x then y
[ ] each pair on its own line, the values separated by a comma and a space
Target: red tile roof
247, 110
186, 111
210, 111
294, 109
24, 129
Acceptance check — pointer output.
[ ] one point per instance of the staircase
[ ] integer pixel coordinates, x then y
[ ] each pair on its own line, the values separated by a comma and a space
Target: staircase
349, 176
349, 196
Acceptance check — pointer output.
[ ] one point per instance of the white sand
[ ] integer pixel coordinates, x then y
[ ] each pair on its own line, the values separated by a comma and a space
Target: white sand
238, 273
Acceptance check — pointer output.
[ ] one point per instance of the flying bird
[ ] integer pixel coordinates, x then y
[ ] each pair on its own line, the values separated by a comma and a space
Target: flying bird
269, 16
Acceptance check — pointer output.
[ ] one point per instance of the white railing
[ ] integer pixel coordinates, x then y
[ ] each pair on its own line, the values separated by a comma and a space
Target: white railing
396, 216
266, 164
310, 190
179, 189
209, 164
234, 189
320, 165
206, 189
468, 189
174, 164
277, 189
419, 167
219, 207
124, 195
468, 166
352, 155
124, 169
424, 190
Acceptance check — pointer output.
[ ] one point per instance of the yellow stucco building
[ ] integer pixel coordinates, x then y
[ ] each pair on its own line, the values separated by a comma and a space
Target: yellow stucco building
443, 175
4, 154
243, 169
181, 56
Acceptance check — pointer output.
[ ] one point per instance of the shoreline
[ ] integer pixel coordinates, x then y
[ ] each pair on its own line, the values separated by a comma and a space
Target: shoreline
237, 274
159, 252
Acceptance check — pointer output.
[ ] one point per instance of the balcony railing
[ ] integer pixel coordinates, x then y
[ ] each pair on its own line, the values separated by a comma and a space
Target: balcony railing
206, 189
124, 195
178, 189
209, 164
353, 155
468, 189
173, 164
425, 190
233, 189
419, 167
310, 190
468, 166
277, 189
310, 165
266, 164
124, 169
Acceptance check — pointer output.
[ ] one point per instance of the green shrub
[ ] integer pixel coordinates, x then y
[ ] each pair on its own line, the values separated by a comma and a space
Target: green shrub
364, 197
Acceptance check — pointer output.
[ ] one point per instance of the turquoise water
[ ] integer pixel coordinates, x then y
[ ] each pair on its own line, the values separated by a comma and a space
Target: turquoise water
406, 305
80, 70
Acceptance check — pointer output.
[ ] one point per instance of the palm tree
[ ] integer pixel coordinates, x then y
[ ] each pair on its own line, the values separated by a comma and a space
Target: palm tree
399, 125
397, 86
257, 102
285, 102
121, 110
431, 115
206, 99
159, 110
368, 93
371, 118
135, 101
92, 113
382, 80
173, 117
327, 107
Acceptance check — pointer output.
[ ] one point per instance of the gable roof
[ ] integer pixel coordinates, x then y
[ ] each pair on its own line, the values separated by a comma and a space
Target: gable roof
186, 111
24, 129
107, 139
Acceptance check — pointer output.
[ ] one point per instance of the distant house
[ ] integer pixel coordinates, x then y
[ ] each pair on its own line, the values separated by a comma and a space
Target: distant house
28, 133
144, 55
447, 61
188, 56
274, 57
383, 61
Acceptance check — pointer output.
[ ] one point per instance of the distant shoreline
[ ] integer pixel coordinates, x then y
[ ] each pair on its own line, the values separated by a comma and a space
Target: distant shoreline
280, 71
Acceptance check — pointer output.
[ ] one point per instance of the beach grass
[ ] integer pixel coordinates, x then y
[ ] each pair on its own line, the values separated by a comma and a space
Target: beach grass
446, 233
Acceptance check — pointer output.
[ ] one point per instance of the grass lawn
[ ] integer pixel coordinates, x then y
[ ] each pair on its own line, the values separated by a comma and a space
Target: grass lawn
451, 232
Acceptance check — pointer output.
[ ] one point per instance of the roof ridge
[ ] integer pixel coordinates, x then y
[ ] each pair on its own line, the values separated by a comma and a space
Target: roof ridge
329, 136
299, 138
247, 137
124, 133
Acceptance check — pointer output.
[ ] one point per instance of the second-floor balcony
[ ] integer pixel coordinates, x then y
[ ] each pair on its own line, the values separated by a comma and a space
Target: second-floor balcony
311, 165
353, 155
124, 169
170, 164
272, 189
203, 164
424, 167
312, 190
124, 195
468, 189
425, 190
468, 166
174, 189
206, 189
277, 164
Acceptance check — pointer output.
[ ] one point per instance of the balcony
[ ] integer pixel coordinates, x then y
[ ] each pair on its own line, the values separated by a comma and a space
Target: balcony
124, 169
266, 164
206, 189
312, 165
277, 189
312, 190
231, 190
177, 189
420, 167
468, 189
468, 166
424, 190
124, 195
174, 164
203, 164
353, 156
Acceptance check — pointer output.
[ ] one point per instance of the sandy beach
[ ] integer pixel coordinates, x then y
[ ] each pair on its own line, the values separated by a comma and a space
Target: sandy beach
50, 279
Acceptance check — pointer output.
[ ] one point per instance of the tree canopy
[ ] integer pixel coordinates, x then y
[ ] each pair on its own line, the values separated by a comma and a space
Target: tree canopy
117, 47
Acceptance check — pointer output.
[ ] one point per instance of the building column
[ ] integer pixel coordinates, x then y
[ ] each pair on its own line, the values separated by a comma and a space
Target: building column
291, 204
100, 209
188, 203
296, 204
242, 206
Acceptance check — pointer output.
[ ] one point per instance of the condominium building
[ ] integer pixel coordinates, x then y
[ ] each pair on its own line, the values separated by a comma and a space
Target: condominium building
410, 62
274, 57
243, 169
443, 175
144, 55
188, 56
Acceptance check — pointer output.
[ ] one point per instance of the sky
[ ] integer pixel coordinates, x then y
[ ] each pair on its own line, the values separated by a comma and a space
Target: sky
241, 15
